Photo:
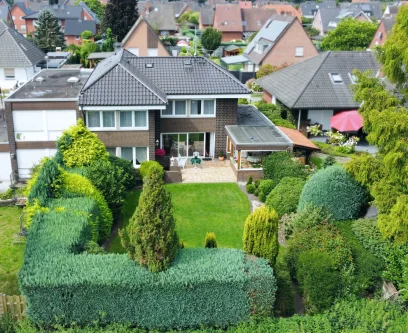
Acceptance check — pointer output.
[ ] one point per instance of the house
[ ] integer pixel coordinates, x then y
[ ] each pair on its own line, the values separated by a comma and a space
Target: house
370, 9
228, 20
383, 30
142, 41
5, 13
285, 10
282, 40
37, 5
245, 4
134, 105
18, 58
253, 19
310, 9
319, 87
74, 29
19, 10
206, 18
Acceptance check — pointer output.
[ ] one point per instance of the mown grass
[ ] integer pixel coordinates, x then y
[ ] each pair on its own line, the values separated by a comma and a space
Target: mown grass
11, 256
328, 149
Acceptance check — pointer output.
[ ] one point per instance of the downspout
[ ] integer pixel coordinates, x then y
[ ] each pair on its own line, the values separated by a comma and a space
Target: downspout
300, 113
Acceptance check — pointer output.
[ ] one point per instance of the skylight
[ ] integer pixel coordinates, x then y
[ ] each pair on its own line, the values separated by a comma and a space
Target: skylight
336, 78
353, 78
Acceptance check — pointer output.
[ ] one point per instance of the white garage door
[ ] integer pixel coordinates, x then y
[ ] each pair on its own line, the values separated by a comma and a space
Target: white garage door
5, 166
26, 158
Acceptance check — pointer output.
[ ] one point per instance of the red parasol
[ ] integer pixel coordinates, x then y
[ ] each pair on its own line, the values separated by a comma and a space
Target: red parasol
347, 121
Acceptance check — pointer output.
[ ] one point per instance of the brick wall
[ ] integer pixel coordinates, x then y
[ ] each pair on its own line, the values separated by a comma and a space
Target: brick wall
172, 125
226, 112
124, 138
152, 134
11, 139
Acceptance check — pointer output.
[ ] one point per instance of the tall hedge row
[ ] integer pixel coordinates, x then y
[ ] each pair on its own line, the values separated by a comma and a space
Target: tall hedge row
214, 287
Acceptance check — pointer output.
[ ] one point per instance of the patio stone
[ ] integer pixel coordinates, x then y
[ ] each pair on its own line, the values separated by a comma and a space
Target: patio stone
213, 171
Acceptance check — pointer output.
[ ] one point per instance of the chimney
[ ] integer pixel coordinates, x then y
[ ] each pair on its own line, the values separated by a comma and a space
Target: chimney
147, 7
117, 47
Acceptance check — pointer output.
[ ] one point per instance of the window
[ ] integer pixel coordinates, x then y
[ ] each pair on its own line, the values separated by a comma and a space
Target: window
23, 27
125, 119
336, 78
169, 109
94, 119
133, 119
353, 78
14, 18
299, 51
202, 108
9, 73
108, 118
111, 151
77, 37
140, 118
136, 155
258, 23
180, 108
101, 119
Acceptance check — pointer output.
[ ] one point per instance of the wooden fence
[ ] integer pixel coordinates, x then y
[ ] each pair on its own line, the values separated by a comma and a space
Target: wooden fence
14, 305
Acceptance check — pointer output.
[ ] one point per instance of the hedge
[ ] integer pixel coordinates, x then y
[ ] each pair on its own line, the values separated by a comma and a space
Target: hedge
214, 287
335, 189
367, 232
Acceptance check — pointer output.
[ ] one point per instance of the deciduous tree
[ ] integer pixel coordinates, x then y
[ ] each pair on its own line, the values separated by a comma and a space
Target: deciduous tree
211, 39
120, 15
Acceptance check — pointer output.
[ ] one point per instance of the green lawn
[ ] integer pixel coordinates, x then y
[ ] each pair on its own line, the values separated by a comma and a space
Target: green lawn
328, 149
198, 208
316, 161
11, 256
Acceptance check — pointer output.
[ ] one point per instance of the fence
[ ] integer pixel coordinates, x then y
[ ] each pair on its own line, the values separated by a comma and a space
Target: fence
243, 76
14, 305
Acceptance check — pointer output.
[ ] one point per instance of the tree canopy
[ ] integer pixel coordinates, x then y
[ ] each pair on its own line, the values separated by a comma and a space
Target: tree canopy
48, 34
211, 39
349, 35
95, 5
120, 15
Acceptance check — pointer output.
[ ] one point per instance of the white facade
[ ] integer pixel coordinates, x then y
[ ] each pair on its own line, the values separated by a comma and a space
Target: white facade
10, 77
28, 157
320, 117
5, 166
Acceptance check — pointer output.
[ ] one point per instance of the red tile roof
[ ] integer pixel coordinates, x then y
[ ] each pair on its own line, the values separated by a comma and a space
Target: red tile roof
285, 10
228, 18
298, 139
245, 4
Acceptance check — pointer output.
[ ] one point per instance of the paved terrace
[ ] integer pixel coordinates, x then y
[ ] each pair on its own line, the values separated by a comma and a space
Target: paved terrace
213, 171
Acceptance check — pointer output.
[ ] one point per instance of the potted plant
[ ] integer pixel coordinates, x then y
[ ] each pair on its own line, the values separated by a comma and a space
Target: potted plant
221, 155
162, 159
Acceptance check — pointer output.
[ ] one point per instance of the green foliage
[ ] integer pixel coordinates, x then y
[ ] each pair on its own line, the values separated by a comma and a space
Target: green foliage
79, 147
95, 5
319, 280
349, 35
151, 237
306, 20
249, 181
57, 280
129, 181
395, 265
365, 168
257, 182
369, 235
48, 34
9, 194
250, 188
210, 240
276, 114
329, 161
278, 165
267, 69
285, 298
261, 234
211, 39
85, 35
336, 190
243, 101
169, 40
120, 16
108, 44
256, 192
265, 187
87, 48
284, 198
309, 217
93, 248
395, 225
147, 166
312, 32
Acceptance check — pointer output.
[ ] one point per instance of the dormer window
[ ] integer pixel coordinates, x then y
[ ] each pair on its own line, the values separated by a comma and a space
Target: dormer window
260, 48
336, 78
353, 78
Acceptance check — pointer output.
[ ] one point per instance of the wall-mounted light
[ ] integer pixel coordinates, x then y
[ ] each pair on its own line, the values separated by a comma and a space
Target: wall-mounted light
157, 142
12, 155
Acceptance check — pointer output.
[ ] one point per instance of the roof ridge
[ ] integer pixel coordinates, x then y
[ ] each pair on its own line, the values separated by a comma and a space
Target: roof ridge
317, 70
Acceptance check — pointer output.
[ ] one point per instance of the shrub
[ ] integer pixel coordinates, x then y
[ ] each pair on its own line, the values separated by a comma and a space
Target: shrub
243, 101
265, 187
261, 234
250, 188
335, 189
9, 194
210, 240
369, 235
78, 147
328, 161
255, 87
256, 192
257, 182
93, 248
284, 198
309, 217
129, 180
151, 237
279, 165
365, 168
394, 226
395, 265
319, 280
249, 181
147, 165
285, 298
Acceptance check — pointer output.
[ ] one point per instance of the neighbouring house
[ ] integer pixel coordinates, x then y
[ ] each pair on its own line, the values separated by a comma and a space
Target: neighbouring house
383, 30
284, 9
370, 9
74, 29
310, 9
228, 20
141, 40
319, 87
19, 10
282, 40
206, 18
18, 58
253, 19
245, 4
5, 13
37, 5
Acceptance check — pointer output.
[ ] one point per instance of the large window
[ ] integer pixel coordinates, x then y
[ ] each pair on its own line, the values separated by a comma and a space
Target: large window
175, 109
101, 119
184, 144
136, 155
197, 108
133, 119
202, 108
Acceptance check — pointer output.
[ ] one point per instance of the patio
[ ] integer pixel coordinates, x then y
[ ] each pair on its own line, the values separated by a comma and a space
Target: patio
212, 171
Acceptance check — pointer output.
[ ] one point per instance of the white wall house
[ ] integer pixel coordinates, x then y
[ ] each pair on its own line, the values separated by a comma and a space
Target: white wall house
18, 58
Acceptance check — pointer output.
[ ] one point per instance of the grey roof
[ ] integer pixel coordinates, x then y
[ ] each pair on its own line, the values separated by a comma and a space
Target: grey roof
100, 55
89, 11
36, 5
207, 16
4, 11
163, 16
268, 35
308, 84
53, 86
249, 115
124, 79
61, 12
374, 8
259, 136
389, 22
327, 15
238, 59
76, 27
22, 6
309, 8
17, 51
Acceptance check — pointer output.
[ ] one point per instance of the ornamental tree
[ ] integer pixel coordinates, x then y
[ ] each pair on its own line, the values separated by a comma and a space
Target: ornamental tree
349, 35
120, 15
151, 237
211, 39
48, 34
261, 234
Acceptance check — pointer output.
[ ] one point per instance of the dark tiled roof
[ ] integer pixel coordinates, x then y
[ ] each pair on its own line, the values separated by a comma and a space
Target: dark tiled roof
388, 23
4, 11
374, 8
75, 28
36, 5
308, 8
124, 79
207, 16
62, 13
255, 18
163, 16
327, 15
17, 51
22, 6
308, 84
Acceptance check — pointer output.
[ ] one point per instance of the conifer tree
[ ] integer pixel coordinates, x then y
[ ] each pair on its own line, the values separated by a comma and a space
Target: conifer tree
261, 234
120, 15
48, 34
151, 237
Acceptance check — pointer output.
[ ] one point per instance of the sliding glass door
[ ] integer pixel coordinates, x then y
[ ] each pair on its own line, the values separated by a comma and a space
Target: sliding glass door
184, 144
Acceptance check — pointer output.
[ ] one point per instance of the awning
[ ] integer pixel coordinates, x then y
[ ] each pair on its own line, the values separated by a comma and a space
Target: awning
298, 139
239, 59
347, 121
